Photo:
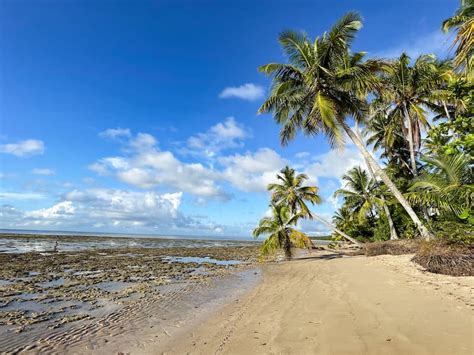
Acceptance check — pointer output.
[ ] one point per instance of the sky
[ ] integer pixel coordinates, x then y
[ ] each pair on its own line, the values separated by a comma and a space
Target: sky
140, 116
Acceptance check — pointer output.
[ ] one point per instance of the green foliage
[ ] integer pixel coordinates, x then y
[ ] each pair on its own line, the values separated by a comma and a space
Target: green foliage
291, 191
280, 231
359, 194
455, 231
446, 185
322, 83
451, 137
463, 23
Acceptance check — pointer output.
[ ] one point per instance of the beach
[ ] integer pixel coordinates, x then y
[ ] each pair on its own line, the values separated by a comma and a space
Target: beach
333, 305
212, 298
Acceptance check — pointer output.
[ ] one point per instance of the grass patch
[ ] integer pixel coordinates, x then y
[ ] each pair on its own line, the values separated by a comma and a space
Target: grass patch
449, 259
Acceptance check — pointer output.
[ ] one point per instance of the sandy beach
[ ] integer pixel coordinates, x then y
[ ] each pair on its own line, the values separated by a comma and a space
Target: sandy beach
318, 303
350, 305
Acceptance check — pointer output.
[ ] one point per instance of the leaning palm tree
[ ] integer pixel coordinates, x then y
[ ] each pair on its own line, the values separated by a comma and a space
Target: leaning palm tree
280, 231
321, 86
447, 185
463, 23
291, 192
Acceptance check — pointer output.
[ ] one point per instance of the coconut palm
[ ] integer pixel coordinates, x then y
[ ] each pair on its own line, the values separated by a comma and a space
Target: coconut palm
447, 185
408, 89
280, 231
358, 193
291, 192
463, 23
384, 135
323, 84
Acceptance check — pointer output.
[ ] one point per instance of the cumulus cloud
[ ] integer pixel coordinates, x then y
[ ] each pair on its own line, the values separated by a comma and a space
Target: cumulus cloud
24, 148
143, 142
334, 163
64, 209
147, 167
115, 133
249, 92
43, 171
223, 135
252, 172
110, 209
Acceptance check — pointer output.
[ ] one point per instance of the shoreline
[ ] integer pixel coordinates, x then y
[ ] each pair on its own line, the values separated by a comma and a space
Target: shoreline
340, 305
320, 303
53, 300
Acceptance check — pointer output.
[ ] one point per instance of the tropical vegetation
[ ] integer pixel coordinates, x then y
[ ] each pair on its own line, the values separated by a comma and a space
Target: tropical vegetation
417, 138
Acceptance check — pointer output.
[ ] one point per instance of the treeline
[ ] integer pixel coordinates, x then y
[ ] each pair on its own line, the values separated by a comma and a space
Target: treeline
411, 118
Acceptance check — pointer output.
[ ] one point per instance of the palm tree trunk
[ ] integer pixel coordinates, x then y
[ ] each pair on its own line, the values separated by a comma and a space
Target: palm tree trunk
393, 231
448, 116
411, 145
380, 173
342, 234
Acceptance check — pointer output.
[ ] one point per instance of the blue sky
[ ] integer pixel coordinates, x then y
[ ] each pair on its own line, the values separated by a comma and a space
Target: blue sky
140, 116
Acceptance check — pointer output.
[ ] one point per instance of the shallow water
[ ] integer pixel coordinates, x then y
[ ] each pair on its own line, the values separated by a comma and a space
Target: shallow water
47, 243
200, 260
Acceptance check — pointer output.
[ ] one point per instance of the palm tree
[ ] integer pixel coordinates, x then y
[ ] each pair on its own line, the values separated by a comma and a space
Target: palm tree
280, 231
358, 193
447, 185
384, 135
291, 192
463, 23
408, 90
321, 86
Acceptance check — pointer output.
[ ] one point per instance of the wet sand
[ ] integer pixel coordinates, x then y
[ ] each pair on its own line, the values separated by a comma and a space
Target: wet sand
318, 304
349, 305
86, 300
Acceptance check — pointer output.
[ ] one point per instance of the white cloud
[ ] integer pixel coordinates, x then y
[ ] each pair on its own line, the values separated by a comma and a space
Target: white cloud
302, 155
147, 167
249, 92
21, 196
64, 209
115, 133
143, 142
223, 135
428, 43
24, 148
109, 210
252, 171
43, 171
334, 163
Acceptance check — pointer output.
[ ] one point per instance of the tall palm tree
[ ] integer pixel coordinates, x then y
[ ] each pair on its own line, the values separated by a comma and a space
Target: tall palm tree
291, 192
463, 23
408, 88
280, 231
321, 86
